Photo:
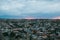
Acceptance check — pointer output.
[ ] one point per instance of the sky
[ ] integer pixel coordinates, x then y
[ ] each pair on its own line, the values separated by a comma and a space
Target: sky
20, 9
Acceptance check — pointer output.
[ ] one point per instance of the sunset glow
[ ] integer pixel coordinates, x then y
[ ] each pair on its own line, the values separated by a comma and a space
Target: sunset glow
57, 17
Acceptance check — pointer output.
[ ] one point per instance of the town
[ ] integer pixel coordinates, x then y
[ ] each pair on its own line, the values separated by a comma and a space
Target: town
29, 29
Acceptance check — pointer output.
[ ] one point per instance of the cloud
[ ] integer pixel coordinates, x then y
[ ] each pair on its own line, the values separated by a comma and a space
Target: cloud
18, 7
42, 7
12, 7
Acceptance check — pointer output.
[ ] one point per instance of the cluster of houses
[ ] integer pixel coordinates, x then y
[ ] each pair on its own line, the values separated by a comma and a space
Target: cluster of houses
33, 29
